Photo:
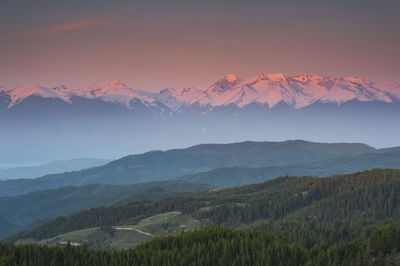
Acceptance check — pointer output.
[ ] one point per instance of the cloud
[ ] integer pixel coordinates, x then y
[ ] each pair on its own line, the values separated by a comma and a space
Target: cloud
73, 26
82, 24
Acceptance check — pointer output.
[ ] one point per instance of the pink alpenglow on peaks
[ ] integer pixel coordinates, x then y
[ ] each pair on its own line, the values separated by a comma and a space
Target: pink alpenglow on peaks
274, 77
227, 82
116, 92
270, 89
264, 89
19, 93
231, 78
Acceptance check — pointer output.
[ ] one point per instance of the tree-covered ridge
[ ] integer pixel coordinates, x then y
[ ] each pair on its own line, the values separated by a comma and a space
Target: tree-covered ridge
371, 194
236, 176
220, 246
164, 165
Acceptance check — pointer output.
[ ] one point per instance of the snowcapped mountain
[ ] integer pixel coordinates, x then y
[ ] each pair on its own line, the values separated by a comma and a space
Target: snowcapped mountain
114, 92
20, 93
265, 89
295, 91
390, 87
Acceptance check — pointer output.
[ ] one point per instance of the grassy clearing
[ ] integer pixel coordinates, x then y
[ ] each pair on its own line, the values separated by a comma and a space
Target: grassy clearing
126, 236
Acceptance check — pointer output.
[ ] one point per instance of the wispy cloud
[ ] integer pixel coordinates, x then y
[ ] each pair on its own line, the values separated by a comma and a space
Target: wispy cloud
77, 25
73, 26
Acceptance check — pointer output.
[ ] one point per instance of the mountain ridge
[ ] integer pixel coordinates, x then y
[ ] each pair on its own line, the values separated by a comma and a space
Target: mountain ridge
163, 165
59, 166
268, 89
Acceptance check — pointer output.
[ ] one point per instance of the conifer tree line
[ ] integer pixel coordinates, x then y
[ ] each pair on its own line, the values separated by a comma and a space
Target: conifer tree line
350, 219
214, 245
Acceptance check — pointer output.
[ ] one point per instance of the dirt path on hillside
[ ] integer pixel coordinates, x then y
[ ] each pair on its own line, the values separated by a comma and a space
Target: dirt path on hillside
131, 228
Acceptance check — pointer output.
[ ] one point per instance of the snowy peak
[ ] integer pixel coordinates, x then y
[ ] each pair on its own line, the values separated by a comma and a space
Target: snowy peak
100, 90
225, 83
168, 97
276, 77
115, 92
116, 83
232, 78
19, 93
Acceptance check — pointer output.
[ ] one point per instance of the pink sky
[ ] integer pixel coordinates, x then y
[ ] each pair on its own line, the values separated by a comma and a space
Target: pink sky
154, 46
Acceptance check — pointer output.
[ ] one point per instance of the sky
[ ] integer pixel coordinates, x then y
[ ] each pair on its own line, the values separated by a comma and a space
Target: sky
150, 45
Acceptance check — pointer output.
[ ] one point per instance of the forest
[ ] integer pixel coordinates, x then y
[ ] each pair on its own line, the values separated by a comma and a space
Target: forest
214, 245
348, 219
373, 195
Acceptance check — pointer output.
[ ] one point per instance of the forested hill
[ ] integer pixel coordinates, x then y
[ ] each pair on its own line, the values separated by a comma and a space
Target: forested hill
220, 246
33, 208
163, 165
371, 194
236, 176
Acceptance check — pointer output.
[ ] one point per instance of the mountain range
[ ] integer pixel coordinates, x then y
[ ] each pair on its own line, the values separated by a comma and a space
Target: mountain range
113, 120
264, 89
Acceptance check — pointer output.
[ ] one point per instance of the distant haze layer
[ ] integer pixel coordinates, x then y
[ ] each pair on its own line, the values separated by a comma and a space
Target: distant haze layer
112, 120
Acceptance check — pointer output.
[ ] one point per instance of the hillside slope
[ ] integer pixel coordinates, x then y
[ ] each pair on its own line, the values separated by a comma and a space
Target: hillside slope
369, 195
24, 210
